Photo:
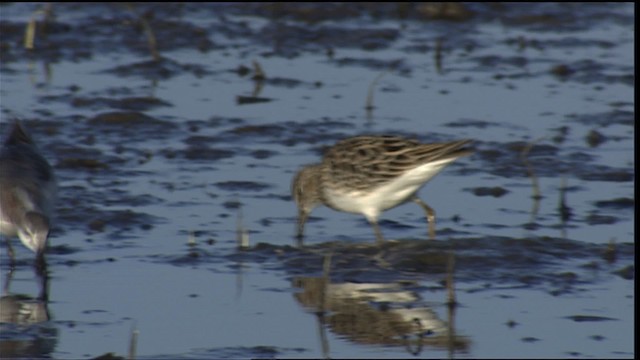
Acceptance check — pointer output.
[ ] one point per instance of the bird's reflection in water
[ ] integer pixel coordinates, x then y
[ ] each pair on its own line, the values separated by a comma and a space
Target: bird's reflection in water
385, 314
25, 327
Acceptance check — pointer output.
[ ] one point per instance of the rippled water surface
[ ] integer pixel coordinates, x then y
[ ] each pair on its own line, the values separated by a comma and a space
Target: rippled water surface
166, 155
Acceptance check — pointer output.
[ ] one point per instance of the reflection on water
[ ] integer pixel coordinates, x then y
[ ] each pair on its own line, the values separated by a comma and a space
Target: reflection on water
387, 314
25, 327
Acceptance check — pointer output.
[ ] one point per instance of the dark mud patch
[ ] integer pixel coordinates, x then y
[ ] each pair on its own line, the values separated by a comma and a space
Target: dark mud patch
81, 157
108, 28
605, 173
603, 120
598, 219
162, 69
590, 72
290, 133
140, 103
495, 191
616, 204
588, 318
247, 100
627, 272
291, 29
119, 224
473, 123
120, 128
396, 65
522, 159
553, 17
82, 163
256, 352
129, 120
271, 130
199, 153
321, 37
81, 209
262, 154
193, 257
242, 186
555, 265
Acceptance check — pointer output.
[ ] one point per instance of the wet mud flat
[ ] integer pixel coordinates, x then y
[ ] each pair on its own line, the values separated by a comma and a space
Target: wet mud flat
159, 168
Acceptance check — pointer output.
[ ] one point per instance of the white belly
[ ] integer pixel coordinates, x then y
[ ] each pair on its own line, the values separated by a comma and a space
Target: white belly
386, 196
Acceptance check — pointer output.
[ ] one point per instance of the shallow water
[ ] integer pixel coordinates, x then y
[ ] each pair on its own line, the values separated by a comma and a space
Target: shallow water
159, 164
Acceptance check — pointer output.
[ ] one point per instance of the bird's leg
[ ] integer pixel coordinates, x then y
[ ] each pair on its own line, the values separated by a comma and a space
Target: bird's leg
302, 219
40, 264
12, 258
376, 229
431, 216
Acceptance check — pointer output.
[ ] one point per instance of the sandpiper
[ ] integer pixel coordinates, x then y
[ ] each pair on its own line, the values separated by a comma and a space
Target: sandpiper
27, 192
369, 174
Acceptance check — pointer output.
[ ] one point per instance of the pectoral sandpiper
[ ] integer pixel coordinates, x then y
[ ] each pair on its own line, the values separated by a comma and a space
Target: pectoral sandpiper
369, 174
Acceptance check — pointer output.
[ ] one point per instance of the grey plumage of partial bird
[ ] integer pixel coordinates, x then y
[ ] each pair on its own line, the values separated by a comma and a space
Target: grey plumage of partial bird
27, 191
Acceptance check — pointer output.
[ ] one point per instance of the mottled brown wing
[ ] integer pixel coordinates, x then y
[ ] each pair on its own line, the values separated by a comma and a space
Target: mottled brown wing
364, 162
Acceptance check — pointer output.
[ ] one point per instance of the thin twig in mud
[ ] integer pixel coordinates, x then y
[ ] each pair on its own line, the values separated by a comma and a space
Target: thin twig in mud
151, 37
133, 342
259, 73
258, 79
369, 105
563, 210
242, 239
534, 179
451, 292
438, 55
191, 239
610, 253
30, 31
